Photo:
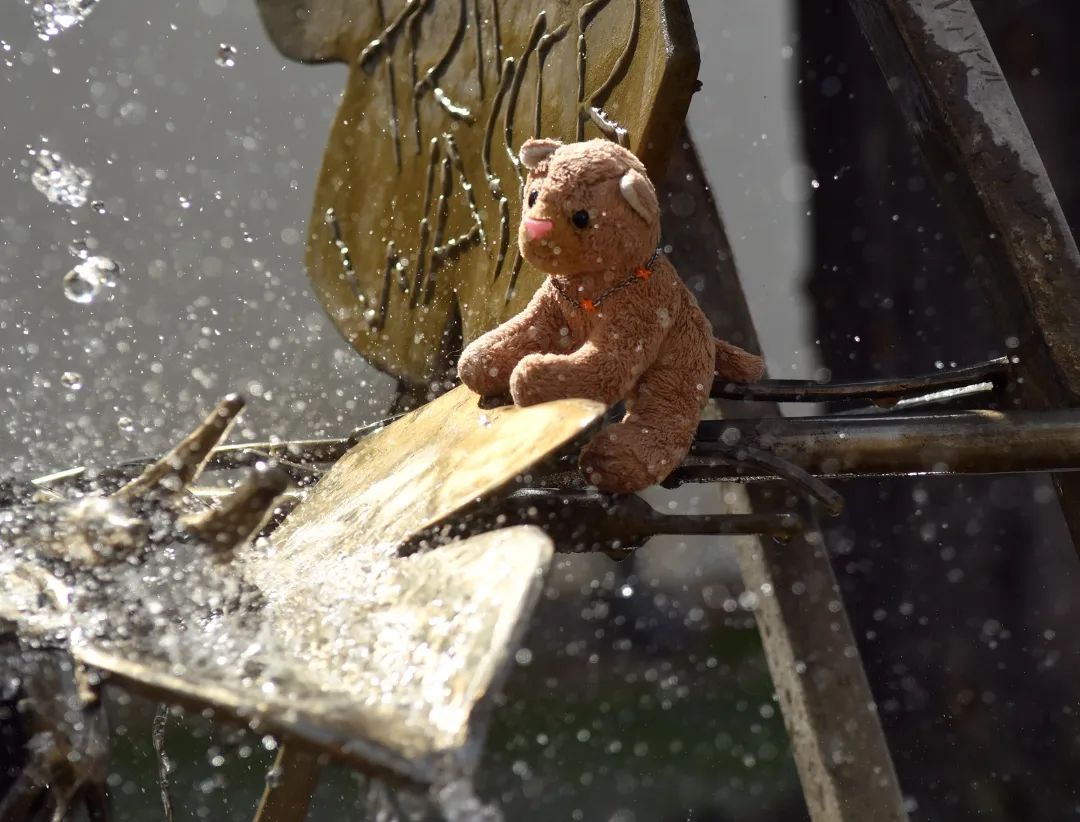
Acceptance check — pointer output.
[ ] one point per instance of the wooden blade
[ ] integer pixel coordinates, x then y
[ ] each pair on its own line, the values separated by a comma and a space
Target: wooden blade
183, 464
418, 472
383, 666
315, 31
241, 514
380, 659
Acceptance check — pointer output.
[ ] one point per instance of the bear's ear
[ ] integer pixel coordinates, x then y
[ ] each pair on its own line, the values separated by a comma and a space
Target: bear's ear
534, 151
639, 193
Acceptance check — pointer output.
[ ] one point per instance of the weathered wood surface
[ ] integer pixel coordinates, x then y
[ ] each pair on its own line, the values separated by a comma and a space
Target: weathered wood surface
421, 170
840, 750
947, 81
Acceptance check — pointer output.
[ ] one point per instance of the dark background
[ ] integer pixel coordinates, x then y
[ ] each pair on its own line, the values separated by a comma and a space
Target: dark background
962, 592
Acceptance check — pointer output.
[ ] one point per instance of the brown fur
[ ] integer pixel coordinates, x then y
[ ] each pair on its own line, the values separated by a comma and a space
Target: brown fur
648, 343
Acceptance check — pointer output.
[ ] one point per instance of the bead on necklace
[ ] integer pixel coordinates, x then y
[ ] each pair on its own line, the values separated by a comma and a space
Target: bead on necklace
590, 306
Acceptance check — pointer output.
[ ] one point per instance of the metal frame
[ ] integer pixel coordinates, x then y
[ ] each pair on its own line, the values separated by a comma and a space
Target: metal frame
948, 84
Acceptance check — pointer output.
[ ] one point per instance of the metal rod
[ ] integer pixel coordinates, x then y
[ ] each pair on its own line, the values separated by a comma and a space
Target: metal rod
583, 521
246, 454
237, 455
631, 518
158, 736
961, 442
749, 458
947, 395
290, 785
951, 91
884, 391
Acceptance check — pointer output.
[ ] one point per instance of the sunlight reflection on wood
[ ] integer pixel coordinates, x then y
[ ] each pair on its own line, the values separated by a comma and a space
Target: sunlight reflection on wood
378, 659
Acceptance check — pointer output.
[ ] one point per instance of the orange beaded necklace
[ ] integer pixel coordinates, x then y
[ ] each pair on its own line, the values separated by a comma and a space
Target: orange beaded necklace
640, 273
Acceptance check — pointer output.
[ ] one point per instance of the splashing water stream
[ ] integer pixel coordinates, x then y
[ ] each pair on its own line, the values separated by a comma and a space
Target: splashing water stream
55, 16
86, 281
61, 182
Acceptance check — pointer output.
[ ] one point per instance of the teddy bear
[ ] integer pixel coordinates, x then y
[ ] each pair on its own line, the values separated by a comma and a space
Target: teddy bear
612, 320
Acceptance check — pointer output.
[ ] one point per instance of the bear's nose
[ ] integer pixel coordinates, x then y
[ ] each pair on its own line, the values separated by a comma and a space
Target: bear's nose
537, 228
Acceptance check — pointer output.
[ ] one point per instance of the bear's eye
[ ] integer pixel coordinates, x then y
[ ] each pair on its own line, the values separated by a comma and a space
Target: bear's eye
532, 197
580, 219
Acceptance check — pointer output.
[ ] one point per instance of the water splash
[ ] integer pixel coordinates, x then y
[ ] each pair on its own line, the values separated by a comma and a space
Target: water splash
61, 182
85, 282
226, 56
81, 246
457, 802
55, 16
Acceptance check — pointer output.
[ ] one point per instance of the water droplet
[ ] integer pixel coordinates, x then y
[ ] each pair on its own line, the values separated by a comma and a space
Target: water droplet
226, 56
84, 282
61, 182
134, 112
457, 802
274, 777
80, 288
126, 425
71, 380
55, 16
184, 201
98, 206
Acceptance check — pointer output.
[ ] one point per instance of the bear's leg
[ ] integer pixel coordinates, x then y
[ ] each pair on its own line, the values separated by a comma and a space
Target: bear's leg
652, 438
488, 361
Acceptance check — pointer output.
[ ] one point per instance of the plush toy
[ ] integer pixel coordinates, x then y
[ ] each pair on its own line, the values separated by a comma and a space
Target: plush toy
612, 321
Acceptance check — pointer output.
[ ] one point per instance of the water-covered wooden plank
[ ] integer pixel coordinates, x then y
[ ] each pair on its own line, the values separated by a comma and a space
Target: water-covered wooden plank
377, 658
334, 639
325, 634
420, 470
383, 666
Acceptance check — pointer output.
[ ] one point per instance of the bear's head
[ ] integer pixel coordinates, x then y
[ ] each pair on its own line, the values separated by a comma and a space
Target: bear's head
589, 207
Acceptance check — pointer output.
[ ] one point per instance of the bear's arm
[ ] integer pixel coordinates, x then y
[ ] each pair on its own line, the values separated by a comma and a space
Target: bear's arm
610, 362
487, 362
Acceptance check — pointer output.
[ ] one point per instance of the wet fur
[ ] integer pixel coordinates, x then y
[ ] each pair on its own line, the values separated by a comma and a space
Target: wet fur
649, 343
